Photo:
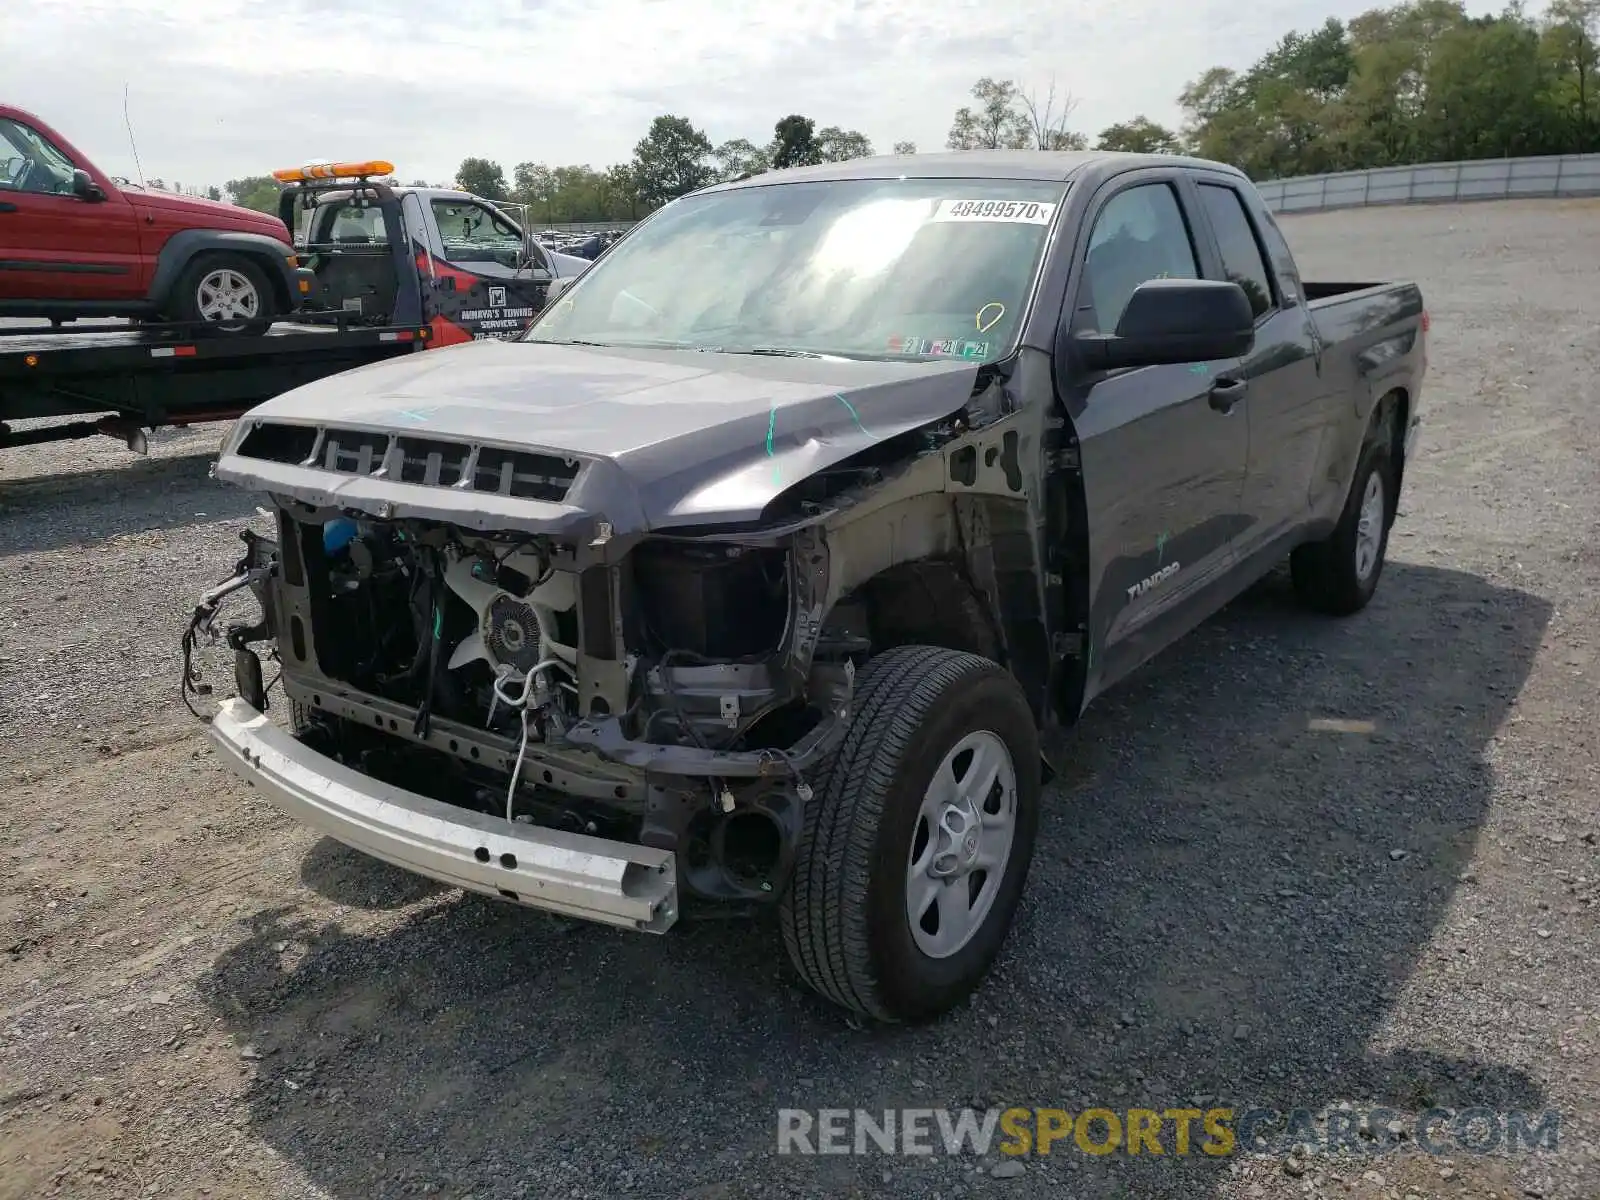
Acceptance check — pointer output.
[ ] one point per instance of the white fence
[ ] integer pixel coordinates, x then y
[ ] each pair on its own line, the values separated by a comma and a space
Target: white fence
1435, 183
1438, 183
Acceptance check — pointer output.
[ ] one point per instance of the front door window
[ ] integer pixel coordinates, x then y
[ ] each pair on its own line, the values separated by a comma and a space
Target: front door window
29, 163
474, 235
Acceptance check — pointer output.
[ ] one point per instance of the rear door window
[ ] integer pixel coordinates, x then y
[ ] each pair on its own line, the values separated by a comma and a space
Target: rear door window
1242, 259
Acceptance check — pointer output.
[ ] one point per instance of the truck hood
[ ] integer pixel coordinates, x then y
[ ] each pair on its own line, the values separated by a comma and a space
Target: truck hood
662, 437
207, 214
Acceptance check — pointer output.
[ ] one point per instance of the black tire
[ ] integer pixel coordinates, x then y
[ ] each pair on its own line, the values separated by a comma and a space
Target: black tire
184, 304
843, 915
1327, 575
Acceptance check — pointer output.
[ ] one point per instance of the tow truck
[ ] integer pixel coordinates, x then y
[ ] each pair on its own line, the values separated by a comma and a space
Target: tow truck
394, 270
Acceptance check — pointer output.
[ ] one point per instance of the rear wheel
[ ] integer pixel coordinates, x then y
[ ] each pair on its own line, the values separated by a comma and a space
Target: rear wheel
1339, 574
228, 291
917, 840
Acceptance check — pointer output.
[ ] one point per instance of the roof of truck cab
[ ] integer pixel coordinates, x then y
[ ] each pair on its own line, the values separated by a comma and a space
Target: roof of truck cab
435, 193
976, 164
344, 192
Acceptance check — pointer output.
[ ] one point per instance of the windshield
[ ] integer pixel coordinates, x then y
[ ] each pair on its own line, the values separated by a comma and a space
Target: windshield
861, 268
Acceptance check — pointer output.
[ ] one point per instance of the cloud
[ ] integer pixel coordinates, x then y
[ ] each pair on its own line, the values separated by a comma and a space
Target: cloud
224, 88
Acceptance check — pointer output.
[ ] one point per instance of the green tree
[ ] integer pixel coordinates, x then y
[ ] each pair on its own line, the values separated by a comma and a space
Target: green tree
1414, 82
995, 123
482, 178
1139, 136
259, 192
794, 143
622, 183
905, 147
670, 161
1488, 93
738, 157
533, 184
1571, 32
841, 145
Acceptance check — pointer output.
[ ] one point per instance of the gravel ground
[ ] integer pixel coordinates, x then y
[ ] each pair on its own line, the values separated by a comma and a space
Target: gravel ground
1229, 905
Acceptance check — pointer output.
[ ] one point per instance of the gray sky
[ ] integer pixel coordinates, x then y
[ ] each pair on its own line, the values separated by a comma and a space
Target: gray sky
225, 88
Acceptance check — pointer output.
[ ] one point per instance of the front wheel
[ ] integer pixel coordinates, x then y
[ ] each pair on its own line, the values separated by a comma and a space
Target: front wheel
917, 838
227, 291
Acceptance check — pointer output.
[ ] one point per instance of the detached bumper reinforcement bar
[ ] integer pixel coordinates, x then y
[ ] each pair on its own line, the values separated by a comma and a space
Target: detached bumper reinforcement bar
635, 887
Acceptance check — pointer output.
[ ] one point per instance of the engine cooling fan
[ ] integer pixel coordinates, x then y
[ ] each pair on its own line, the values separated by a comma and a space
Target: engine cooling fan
508, 633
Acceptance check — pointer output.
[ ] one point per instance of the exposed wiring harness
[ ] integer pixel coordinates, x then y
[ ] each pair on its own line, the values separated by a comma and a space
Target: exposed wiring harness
202, 625
518, 701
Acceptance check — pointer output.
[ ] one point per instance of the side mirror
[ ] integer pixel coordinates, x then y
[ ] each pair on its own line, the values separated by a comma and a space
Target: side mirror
86, 188
557, 285
1170, 321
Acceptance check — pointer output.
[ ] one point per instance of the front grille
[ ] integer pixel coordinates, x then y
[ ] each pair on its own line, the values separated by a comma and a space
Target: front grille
434, 464
428, 461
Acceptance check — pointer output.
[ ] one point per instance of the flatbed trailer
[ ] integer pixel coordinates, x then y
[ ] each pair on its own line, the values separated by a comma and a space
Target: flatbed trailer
131, 377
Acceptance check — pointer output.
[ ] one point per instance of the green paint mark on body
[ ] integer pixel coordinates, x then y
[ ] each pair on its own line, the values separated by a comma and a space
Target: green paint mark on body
851, 409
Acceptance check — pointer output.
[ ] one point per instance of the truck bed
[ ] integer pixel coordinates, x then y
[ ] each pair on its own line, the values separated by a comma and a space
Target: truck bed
1317, 291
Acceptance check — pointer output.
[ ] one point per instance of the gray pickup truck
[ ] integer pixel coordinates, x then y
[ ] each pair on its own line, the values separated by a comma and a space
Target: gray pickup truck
767, 566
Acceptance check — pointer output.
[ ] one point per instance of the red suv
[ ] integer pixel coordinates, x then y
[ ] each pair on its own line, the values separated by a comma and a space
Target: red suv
75, 244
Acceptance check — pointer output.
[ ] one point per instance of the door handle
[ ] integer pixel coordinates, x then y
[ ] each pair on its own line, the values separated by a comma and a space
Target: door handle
1226, 392
7, 206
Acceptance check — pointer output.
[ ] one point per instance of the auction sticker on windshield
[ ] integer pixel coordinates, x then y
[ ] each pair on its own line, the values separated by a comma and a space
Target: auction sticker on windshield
1026, 212
959, 347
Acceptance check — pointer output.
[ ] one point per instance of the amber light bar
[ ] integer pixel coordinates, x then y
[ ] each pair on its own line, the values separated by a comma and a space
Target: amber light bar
344, 170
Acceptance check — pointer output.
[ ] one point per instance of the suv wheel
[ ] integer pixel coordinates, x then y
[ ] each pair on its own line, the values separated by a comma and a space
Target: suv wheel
228, 291
917, 838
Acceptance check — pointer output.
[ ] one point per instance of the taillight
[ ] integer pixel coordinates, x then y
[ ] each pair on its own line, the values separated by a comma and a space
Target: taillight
1425, 321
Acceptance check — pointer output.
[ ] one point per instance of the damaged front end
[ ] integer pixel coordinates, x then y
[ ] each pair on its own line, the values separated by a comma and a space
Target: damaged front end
640, 711
597, 681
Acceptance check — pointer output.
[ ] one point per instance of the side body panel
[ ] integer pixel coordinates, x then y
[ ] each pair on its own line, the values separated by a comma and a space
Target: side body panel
1374, 347
1185, 502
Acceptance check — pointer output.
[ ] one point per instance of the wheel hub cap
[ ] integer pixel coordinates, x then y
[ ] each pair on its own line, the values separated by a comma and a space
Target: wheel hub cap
226, 295
961, 844
1369, 526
